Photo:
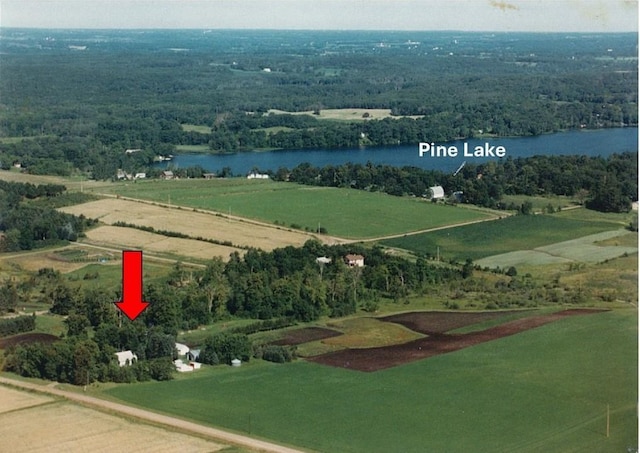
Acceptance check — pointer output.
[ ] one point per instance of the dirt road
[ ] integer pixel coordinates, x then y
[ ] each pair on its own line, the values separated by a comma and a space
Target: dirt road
144, 415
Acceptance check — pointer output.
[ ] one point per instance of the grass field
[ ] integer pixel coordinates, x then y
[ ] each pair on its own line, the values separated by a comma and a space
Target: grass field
544, 390
511, 234
342, 212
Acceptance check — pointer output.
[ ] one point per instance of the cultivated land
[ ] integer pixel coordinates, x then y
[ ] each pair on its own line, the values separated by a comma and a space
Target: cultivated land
63, 426
542, 390
512, 234
343, 213
346, 114
194, 224
131, 238
587, 249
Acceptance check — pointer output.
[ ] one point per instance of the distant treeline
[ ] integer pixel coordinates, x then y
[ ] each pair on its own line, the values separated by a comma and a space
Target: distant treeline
605, 184
140, 99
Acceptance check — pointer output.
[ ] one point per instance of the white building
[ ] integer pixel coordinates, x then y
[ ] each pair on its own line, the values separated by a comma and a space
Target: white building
126, 358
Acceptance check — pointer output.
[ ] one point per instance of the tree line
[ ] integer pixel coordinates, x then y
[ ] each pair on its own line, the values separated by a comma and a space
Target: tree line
26, 224
605, 184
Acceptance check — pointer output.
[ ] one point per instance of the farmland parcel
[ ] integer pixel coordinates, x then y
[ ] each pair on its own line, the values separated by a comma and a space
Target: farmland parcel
342, 212
544, 390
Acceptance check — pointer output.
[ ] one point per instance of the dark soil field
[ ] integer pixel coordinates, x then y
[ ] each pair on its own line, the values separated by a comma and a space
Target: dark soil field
26, 338
306, 335
438, 342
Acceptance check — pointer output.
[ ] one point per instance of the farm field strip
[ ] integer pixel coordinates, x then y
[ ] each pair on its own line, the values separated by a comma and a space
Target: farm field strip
510, 234
194, 224
545, 388
582, 249
153, 242
345, 213
15, 399
73, 428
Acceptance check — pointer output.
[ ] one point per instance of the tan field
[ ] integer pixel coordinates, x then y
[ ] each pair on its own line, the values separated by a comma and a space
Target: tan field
347, 114
152, 242
15, 399
194, 224
43, 425
34, 261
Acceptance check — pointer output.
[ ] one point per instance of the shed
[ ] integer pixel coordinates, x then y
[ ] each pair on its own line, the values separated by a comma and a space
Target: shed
193, 354
436, 192
236, 362
182, 349
126, 358
168, 174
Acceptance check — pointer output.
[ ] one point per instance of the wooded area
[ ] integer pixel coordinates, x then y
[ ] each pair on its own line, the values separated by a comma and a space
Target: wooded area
64, 110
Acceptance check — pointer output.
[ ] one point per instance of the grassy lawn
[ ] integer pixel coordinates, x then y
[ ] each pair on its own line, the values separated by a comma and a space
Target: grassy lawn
193, 148
501, 236
196, 128
342, 212
544, 390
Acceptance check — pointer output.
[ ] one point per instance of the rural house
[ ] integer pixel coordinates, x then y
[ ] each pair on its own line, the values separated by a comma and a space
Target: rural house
354, 260
168, 174
126, 358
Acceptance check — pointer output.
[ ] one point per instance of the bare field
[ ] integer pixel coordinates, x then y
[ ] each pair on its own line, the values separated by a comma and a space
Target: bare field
152, 242
70, 428
195, 224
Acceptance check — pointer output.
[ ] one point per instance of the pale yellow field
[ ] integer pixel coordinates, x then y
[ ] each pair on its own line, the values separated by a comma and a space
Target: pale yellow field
66, 427
15, 399
32, 262
136, 239
346, 114
194, 224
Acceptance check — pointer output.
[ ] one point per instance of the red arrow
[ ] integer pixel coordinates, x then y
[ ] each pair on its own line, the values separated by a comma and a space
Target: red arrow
132, 304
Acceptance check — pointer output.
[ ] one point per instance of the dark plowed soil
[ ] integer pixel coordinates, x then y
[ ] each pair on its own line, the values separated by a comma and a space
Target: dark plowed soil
300, 336
26, 338
442, 321
375, 359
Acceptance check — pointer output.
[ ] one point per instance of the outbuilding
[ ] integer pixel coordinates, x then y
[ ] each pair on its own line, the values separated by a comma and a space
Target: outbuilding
126, 358
236, 362
436, 192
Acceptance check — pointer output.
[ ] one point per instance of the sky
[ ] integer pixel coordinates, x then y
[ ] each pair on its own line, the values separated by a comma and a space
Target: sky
466, 15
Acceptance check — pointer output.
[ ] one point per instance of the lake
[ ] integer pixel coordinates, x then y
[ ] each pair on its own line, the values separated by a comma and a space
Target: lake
602, 142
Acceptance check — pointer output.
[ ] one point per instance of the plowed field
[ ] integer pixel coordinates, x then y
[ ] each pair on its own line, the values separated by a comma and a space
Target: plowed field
438, 342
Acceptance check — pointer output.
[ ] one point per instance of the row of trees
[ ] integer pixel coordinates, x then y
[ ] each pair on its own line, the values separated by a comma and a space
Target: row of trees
606, 184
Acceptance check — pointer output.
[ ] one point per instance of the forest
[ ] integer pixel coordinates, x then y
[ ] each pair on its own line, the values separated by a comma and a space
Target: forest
65, 110
27, 221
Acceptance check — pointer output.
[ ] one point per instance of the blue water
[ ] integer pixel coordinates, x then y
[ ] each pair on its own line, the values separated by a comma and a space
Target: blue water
601, 142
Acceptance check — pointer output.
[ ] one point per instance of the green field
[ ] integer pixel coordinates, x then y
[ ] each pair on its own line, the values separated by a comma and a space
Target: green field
342, 212
544, 390
510, 234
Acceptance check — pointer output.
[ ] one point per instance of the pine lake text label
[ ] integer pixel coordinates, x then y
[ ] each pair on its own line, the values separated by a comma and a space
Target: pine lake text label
486, 150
